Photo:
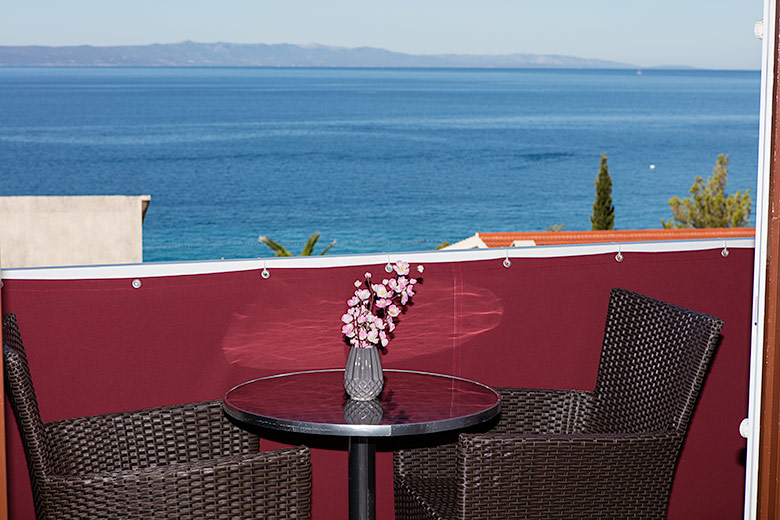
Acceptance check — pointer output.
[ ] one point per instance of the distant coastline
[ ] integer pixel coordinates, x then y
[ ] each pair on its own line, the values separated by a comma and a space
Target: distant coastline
193, 54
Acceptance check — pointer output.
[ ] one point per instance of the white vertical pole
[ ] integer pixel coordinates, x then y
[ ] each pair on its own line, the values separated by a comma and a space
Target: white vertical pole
753, 426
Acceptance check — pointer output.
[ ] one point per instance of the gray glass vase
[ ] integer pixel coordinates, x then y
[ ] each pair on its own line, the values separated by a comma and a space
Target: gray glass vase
363, 375
363, 412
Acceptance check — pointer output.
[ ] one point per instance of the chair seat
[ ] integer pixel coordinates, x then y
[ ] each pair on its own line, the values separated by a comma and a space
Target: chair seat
426, 498
256, 486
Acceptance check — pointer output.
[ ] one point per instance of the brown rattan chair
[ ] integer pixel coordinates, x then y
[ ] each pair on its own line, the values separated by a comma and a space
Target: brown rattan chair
172, 462
557, 454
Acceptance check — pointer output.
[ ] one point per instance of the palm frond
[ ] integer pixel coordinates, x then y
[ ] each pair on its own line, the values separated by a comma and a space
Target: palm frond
328, 248
277, 248
308, 249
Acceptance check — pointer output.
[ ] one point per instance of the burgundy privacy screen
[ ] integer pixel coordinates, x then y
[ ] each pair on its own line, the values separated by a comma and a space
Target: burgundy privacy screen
101, 345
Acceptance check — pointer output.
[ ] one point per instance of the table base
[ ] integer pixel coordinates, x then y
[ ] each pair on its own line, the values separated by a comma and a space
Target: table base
362, 479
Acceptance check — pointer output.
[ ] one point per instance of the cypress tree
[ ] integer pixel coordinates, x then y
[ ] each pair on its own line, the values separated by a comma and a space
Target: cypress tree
603, 216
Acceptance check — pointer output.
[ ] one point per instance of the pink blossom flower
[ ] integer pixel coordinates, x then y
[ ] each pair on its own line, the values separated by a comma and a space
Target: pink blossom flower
348, 330
400, 285
401, 267
380, 290
420, 268
370, 317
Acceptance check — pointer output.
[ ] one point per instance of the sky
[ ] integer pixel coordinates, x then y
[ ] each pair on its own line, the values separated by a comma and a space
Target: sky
714, 34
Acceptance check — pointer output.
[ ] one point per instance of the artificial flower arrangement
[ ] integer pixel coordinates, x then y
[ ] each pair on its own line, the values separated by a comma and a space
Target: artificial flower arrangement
374, 307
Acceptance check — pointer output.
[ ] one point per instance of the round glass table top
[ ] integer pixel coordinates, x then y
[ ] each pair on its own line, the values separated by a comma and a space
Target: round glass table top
315, 402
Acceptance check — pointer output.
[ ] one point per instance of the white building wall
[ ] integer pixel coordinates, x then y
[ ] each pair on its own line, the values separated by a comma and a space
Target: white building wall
73, 230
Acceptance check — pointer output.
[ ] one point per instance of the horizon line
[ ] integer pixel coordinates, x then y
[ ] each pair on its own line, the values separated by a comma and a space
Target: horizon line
664, 68
615, 64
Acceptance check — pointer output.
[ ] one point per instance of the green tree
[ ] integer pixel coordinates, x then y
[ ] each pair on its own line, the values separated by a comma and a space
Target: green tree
308, 249
708, 206
555, 228
603, 216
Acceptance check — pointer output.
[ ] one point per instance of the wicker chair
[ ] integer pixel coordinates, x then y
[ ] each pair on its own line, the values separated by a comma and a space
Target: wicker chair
182, 462
557, 454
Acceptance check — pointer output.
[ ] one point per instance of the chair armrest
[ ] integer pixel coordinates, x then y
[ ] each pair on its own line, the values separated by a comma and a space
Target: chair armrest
273, 484
531, 410
523, 410
145, 438
426, 462
576, 476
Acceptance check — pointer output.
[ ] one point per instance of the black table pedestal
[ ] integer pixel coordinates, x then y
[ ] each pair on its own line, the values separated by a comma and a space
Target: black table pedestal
362, 479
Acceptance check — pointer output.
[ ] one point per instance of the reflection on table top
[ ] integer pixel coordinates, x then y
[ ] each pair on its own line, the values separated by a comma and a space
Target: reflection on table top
315, 402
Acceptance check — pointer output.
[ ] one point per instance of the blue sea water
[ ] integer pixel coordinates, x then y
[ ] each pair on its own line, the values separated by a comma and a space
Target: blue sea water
377, 159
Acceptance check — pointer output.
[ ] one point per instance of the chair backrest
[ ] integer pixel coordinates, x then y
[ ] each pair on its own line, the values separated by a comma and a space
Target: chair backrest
21, 394
653, 362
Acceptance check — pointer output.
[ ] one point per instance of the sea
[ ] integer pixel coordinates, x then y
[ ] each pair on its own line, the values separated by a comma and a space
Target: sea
379, 160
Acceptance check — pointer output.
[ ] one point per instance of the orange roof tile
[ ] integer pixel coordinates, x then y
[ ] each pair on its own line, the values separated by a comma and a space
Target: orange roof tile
549, 238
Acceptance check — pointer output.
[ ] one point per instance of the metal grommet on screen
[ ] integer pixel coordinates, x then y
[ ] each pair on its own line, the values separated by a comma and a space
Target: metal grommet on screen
619, 255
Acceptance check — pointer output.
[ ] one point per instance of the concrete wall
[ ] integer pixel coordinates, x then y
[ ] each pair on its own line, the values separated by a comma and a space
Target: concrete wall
81, 230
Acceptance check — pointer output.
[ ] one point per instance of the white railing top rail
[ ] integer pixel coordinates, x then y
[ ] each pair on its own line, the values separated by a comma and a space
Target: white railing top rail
158, 269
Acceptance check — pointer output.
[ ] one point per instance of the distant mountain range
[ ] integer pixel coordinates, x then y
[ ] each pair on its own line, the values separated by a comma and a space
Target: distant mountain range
192, 54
